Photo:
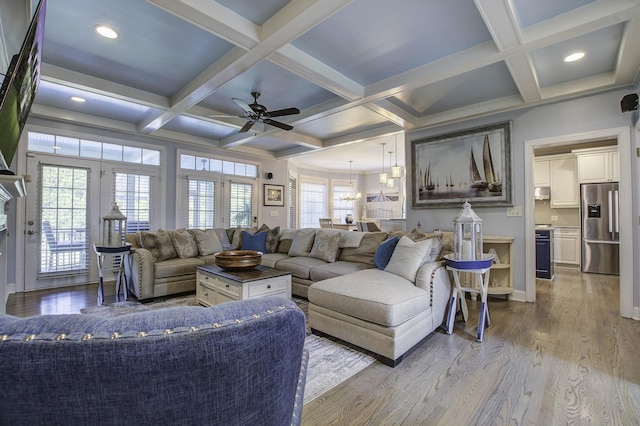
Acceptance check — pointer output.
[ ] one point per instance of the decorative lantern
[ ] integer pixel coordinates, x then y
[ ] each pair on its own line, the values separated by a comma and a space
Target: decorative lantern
114, 226
467, 234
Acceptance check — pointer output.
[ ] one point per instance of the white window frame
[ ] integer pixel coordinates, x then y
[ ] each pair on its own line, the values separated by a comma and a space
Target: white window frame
318, 181
222, 218
354, 205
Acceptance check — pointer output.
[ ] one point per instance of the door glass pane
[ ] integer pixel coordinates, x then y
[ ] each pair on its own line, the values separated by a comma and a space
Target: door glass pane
202, 195
63, 218
241, 198
133, 195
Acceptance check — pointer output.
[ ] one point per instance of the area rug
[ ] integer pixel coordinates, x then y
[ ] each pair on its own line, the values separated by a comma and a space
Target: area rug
330, 363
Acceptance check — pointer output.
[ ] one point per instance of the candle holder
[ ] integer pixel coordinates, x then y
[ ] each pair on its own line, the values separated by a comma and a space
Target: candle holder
467, 235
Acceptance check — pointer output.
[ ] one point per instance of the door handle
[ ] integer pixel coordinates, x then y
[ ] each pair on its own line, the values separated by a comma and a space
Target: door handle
30, 232
609, 196
617, 206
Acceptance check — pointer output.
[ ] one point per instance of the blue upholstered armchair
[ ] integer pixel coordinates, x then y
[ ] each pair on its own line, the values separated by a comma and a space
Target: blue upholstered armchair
239, 363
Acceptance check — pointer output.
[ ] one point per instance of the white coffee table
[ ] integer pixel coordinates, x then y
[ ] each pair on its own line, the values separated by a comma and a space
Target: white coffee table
215, 285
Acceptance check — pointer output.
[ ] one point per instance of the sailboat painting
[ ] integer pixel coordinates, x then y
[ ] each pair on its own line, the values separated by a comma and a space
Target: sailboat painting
473, 165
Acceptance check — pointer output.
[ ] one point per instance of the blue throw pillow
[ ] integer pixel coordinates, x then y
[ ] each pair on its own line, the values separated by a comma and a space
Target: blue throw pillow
384, 252
254, 241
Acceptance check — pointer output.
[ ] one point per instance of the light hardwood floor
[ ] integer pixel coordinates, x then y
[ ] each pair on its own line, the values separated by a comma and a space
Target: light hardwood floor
569, 358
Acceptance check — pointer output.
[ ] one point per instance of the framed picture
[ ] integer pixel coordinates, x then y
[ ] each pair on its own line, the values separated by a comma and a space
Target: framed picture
471, 165
273, 195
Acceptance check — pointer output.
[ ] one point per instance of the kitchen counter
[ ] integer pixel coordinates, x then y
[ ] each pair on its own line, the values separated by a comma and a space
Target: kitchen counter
544, 226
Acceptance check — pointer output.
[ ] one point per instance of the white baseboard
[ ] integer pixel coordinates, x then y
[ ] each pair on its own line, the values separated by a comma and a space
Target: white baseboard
519, 296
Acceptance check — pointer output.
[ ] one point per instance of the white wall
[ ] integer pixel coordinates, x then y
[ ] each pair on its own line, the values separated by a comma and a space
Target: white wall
591, 113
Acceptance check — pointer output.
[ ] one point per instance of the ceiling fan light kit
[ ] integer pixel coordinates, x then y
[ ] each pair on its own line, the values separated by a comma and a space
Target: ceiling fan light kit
256, 112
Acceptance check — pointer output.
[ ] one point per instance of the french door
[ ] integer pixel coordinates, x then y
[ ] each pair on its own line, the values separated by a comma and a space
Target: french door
62, 214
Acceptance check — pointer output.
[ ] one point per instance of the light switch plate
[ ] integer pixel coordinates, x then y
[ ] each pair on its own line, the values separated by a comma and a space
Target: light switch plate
273, 213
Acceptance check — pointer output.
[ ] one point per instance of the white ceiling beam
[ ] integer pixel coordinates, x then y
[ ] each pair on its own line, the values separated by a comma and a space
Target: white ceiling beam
499, 17
393, 113
87, 83
525, 77
585, 85
215, 18
297, 138
285, 26
472, 111
629, 54
383, 130
319, 73
586, 19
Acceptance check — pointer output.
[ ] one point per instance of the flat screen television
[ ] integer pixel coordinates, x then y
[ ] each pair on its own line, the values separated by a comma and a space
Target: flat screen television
19, 88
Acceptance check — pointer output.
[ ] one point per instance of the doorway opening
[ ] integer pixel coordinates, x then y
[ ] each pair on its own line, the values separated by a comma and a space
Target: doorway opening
622, 138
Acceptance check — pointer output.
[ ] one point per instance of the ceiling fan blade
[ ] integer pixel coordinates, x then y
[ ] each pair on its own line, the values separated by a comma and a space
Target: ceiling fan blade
248, 125
281, 112
277, 124
245, 106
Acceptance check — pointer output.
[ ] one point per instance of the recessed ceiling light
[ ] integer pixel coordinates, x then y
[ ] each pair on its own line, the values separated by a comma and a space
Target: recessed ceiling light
78, 99
106, 32
574, 57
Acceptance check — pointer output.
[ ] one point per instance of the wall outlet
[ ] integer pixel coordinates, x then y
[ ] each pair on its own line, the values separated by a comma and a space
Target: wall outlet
514, 211
554, 218
273, 213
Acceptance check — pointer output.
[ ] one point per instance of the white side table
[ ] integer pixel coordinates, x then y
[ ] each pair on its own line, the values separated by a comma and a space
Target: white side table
121, 277
480, 269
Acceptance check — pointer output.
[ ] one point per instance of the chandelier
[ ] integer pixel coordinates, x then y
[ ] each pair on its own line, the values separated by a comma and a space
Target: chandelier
351, 196
396, 171
383, 175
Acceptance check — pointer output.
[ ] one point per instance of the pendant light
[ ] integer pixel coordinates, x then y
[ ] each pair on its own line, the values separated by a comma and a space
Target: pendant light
351, 196
390, 181
396, 171
383, 175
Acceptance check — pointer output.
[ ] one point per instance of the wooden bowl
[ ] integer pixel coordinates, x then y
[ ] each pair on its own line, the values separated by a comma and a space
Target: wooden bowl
238, 260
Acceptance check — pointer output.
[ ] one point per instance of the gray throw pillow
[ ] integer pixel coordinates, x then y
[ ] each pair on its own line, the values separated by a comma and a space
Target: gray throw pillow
408, 257
184, 244
207, 241
302, 243
325, 247
158, 244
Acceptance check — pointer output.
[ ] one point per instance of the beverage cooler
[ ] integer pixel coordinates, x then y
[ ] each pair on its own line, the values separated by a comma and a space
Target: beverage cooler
544, 252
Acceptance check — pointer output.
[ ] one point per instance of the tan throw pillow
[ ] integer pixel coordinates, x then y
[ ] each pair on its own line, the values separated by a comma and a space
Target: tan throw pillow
365, 253
184, 244
302, 243
158, 244
273, 237
284, 246
325, 247
408, 257
207, 241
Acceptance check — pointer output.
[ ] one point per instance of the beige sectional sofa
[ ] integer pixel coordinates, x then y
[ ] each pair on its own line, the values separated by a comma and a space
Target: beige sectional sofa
384, 301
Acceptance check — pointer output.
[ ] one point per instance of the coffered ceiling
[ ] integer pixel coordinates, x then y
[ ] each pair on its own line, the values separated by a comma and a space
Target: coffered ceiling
358, 70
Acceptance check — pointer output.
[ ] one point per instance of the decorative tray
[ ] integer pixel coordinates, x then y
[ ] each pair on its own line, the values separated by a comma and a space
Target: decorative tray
485, 262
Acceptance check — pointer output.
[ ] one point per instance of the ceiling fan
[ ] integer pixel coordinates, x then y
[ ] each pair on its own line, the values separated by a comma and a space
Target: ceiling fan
256, 112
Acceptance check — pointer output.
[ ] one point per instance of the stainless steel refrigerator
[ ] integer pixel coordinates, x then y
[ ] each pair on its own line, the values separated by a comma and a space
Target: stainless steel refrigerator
600, 228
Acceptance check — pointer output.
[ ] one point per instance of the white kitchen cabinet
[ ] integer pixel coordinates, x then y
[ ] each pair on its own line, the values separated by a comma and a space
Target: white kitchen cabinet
566, 245
541, 173
563, 176
597, 165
